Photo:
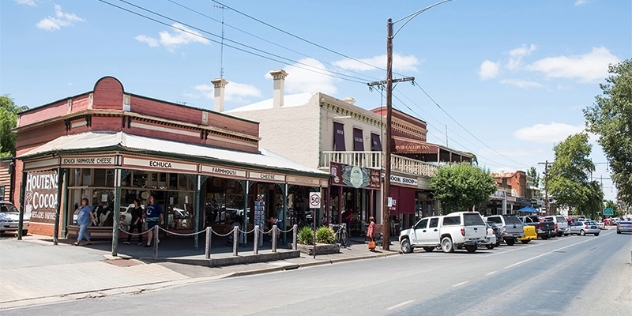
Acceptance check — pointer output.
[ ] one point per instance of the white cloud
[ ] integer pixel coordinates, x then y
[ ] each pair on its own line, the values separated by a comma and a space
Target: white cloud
489, 70
580, 2
235, 92
181, 35
60, 20
152, 42
400, 63
302, 78
589, 67
30, 3
547, 133
525, 84
515, 56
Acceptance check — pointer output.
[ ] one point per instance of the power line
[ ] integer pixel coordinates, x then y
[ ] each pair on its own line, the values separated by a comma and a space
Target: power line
326, 72
264, 39
465, 129
299, 37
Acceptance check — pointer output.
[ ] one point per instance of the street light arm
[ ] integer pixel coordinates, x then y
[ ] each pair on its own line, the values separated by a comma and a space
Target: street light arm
415, 14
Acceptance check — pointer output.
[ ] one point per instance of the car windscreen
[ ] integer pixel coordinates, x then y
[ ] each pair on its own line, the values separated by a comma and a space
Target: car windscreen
510, 219
495, 219
625, 223
591, 223
473, 219
560, 219
8, 208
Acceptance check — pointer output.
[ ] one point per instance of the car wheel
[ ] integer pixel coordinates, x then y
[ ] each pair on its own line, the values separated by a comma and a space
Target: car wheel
429, 249
447, 245
582, 232
618, 232
525, 241
566, 234
406, 247
560, 234
498, 244
490, 246
510, 242
470, 248
597, 234
25, 232
545, 237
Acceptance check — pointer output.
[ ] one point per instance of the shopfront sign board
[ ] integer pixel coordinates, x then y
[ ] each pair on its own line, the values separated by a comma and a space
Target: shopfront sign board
40, 196
41, 164
403, 180
159, 164
266, 177
303, 181
354, 176
91, 161
224, 172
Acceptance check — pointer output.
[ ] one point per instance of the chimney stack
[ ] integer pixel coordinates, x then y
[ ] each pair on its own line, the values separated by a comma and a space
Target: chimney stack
279, 87
218, 101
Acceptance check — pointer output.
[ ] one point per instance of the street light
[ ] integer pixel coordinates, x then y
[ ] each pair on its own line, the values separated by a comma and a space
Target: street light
389, 113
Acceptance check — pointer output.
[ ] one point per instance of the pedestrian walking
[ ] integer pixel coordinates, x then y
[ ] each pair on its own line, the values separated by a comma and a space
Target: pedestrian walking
279, 216
136, 223
84, 219
152, 216
370, 233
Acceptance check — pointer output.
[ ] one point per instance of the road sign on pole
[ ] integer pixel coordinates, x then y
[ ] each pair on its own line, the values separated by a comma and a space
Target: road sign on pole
314, 200
608, 211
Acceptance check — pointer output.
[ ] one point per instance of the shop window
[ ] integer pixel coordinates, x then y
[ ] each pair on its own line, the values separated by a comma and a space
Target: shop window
86, 176
185, 183
158, 180
173, 181
126, 181
99, 177
141, 179
109, 178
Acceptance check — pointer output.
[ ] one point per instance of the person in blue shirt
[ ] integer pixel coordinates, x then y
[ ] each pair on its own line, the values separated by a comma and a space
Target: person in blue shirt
153, 215
84, 218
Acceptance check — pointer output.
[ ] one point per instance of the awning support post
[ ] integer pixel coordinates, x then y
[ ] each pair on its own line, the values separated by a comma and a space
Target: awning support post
199, 179
117, 210
60, 182
21, 217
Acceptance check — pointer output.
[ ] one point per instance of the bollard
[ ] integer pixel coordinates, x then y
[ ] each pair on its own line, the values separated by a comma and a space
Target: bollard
155, 242
295, 240
207, 250
274, 238
235, 237
256, 250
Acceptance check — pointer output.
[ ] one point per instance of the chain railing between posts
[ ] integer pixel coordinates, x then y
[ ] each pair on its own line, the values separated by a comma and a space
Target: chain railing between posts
274, 231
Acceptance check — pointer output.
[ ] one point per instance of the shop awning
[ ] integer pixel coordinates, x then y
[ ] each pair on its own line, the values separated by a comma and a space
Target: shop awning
91, 142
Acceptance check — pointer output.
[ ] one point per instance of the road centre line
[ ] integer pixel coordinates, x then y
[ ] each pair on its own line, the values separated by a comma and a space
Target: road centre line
399, 305
491, 273
459, 284
544, 254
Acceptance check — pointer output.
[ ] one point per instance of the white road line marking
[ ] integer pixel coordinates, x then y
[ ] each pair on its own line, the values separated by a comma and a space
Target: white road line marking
399, 305
544, 254
459, 284
491, 273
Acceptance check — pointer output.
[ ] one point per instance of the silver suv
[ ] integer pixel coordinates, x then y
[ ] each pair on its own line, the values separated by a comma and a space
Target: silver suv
9, 217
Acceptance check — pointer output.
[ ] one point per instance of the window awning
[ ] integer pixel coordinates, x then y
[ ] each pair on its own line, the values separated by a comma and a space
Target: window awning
358, 141
91, 142
339, 137
377, 144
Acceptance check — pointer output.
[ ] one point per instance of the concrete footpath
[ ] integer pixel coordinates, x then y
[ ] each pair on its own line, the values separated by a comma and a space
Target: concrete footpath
34, 271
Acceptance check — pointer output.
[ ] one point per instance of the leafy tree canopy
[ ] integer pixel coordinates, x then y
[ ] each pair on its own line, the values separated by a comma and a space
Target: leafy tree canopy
532, 172
610, 117
8, 120
461, 186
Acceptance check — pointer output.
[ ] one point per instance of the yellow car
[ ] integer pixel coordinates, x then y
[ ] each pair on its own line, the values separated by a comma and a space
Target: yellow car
529, 234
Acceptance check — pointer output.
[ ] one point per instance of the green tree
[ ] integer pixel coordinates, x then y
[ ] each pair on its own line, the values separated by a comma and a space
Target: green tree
610, 117
613, 205
568, 176
8, 120
461, 186
535, 175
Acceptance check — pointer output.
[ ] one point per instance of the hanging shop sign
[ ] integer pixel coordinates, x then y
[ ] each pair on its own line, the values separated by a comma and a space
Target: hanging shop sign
403, 180
303, 181
92, 161
354, 176
41, 164
266, 177
40, 196
160, 164
223, 172
402, 146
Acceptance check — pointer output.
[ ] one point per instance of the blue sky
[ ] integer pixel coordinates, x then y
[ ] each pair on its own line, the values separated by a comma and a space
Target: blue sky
515, 75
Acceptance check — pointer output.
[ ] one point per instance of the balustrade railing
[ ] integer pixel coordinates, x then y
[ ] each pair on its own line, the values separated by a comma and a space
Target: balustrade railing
374, 160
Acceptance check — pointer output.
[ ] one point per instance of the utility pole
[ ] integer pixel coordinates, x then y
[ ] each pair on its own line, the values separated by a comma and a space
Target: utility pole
546, 185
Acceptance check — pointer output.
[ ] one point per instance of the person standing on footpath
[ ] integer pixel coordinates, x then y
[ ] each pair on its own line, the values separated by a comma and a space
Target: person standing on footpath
153, 214
279, 216
84, 218
370, 232
136, 223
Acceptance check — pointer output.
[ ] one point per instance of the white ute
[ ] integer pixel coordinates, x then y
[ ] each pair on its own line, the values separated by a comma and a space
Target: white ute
455, 230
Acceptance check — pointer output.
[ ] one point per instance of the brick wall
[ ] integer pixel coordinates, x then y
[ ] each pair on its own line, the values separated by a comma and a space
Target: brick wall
108, 94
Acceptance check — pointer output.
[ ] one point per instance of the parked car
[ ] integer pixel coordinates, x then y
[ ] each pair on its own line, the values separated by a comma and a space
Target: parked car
455, 230
624, 227
585, 227
529, 234
9, 218
544, 228
510, 226
561, 225
601, 225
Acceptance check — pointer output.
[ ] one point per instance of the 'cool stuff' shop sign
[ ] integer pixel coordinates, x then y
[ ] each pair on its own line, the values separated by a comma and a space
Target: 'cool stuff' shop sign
40, 196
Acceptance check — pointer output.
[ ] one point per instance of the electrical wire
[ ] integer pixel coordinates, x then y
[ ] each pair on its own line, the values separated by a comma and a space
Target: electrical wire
269, 41
294, 63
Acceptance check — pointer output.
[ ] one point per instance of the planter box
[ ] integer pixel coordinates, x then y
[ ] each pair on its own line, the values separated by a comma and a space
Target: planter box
321, 249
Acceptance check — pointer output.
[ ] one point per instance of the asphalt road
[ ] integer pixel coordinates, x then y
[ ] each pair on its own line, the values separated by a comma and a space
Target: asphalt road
573, 275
